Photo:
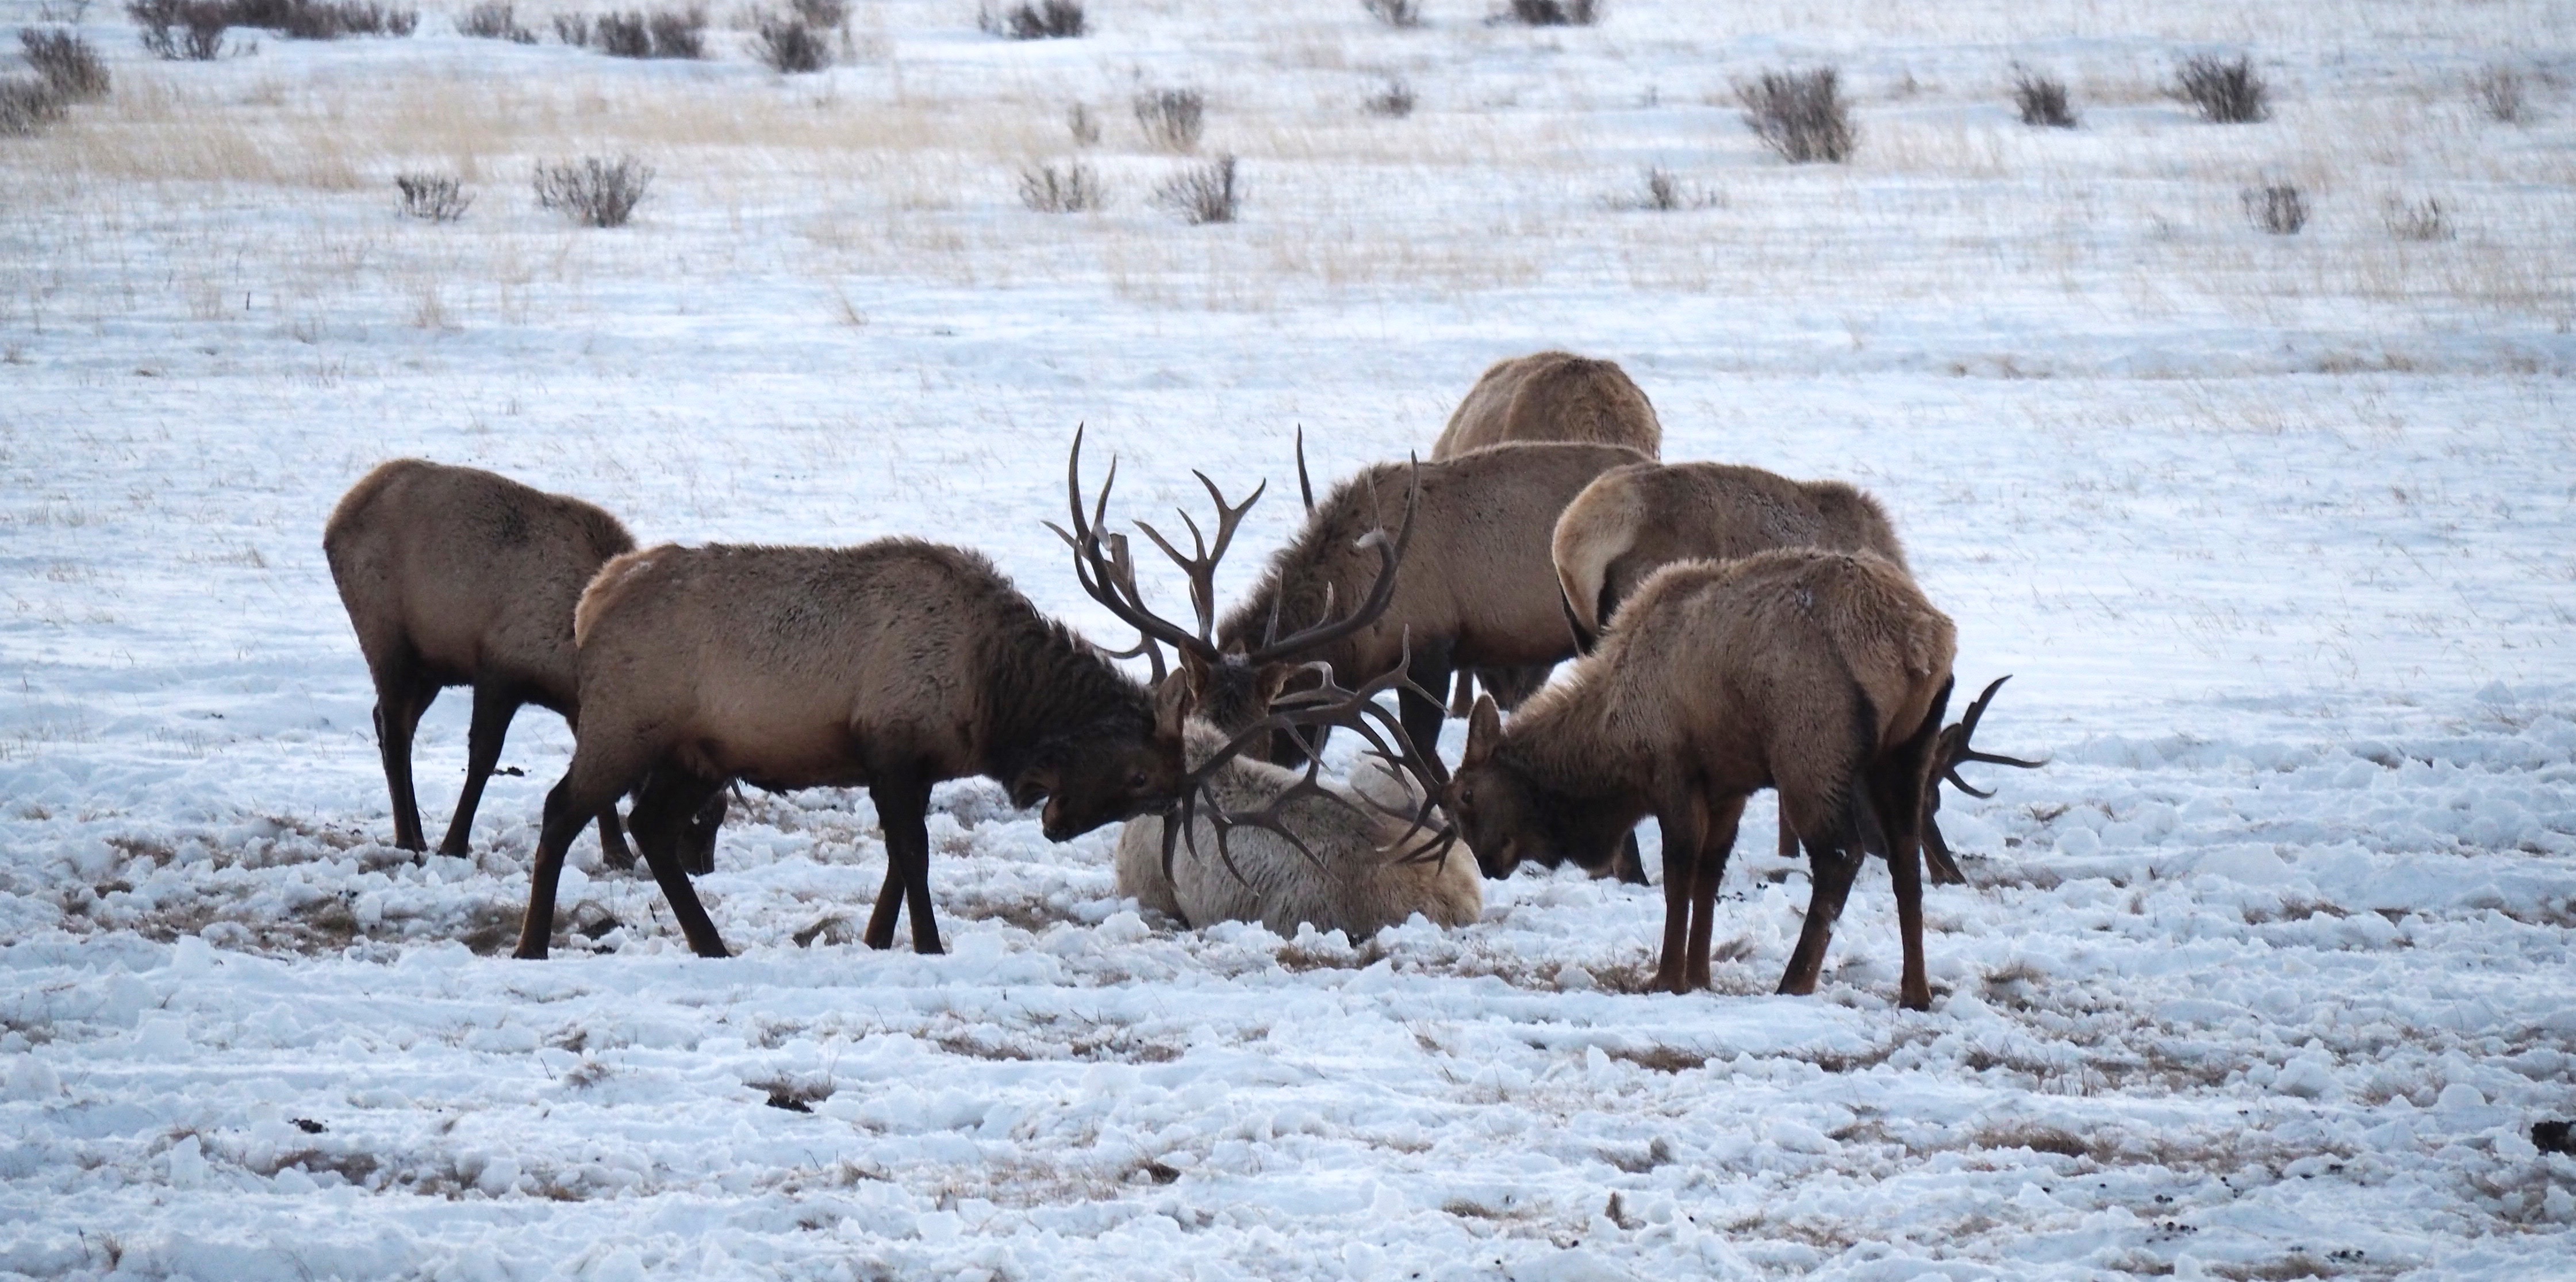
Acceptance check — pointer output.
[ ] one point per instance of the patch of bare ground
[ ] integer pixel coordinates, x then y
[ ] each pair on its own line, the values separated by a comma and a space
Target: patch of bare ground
1056, 1040
1661, 1059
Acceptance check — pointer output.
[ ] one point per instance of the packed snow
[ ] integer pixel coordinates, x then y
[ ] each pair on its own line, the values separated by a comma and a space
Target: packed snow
2266, 975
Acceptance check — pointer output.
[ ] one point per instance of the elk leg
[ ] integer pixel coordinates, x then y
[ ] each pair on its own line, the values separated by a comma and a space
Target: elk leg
1902, 800
612, 841
584, 790
401, 696
663, 810
889, 904
1711, 865
493, 708
1683, 829
1833, 867
1914, 990
1422, 716
903, 810
699, 854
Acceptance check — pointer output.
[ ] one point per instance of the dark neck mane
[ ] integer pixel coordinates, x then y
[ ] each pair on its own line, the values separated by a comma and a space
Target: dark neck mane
1047, 690
1312, 567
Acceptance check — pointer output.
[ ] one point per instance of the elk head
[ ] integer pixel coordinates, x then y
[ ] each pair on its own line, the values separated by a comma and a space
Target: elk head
1104, 774
1508, 818
1244, 687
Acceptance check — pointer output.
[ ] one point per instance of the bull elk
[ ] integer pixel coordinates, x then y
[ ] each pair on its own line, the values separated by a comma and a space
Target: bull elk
1633, 521
893, 666
1276, 846
454, 576
1545, 396
1822, 674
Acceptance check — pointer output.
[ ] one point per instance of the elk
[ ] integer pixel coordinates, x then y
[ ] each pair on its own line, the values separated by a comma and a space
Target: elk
893, 666
1552, 396
1332, 856
1476, 588
1546, 396
1633, 521
454, 576
1823, 674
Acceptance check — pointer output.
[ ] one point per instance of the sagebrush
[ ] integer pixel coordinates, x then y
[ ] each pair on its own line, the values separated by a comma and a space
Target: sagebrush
1172, 118
2278, 208
66, 62
1070, 190
1553, 13
1045, 20
1205, 193
2042, 100
437, 198
1799, 114
497, 20
594, 191
787, 44
2224, 92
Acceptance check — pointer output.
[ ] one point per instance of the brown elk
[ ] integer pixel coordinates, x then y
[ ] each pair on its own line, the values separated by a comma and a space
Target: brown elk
1277, 846
1636, 520
893, 666
1546, 396
454, 576
1822, 674
1477, 587
1552, 396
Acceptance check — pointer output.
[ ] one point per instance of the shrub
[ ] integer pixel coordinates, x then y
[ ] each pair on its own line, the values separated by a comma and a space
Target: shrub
1201, 194
1799, 114
679, 33
822, 15
1172, 118
2499, 92
181, 30
1084, 126
435, 197
594, 192
573, 29
2277, 208
1663, 192
2225, 93
636, 33
2041, 100
1070, 190
1045, 20
1553, 13
1394, 102
29, 103
1395, 13
66, 62
496, 20
2424, 219
788, 46
322, 19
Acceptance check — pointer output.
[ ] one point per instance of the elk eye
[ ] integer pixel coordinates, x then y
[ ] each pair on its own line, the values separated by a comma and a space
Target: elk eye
1136, 781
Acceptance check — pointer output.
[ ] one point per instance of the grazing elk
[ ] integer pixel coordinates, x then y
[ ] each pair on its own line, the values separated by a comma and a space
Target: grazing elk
1477, 588
1636, 520
1335, 857
1546, 396
454, 576
892, 666
1552, 396
1822, 674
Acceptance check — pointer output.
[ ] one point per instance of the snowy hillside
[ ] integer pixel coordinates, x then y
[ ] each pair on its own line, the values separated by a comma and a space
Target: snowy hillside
2268, 975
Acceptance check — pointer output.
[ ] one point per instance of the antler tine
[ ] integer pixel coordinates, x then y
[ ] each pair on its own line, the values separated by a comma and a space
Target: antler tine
1956, 750
1305, 486
1104, 568
1381, 591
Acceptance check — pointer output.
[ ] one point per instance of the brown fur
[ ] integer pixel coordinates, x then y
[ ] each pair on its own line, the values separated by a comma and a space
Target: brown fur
891, 666
454, 576
1633, 521
1822, 674
1476, 586
1552, 396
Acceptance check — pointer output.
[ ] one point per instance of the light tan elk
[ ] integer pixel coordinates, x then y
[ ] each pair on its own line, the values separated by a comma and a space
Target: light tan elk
1278, 846
1821, 674
454, 576
1546, 396
1636, 520
892, 666
1552, 396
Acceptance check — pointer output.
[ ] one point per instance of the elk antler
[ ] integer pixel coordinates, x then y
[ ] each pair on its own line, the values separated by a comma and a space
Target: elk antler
1325, 704
1949, 752
1108, 574
1381, 590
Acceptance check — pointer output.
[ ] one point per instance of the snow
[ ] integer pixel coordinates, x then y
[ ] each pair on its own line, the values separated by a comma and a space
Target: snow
2267, 974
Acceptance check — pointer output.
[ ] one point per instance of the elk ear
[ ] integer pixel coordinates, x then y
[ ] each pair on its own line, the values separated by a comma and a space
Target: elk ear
1484, 731
1173, 701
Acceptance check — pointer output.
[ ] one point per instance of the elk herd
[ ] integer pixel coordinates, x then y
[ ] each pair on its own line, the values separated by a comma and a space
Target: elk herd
1731, 630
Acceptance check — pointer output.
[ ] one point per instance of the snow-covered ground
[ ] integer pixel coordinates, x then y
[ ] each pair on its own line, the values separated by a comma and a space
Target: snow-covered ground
2268, 975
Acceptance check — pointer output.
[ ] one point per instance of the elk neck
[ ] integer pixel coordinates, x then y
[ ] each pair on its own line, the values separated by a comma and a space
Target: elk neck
1045, 691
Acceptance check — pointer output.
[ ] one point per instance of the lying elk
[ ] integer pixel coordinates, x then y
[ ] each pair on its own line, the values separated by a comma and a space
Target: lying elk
1338, 858
1636, 520
1821, 674
892, 665
454, 576
1547, 396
